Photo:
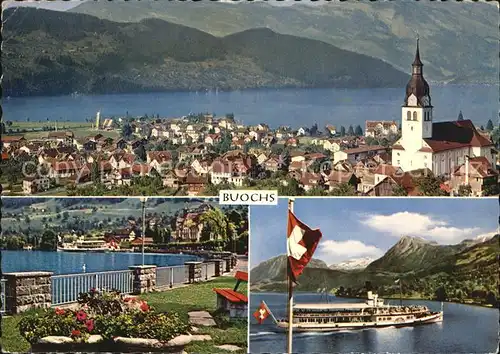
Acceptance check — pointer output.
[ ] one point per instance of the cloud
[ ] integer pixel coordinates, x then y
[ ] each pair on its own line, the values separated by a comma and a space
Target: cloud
415, 224
335, 251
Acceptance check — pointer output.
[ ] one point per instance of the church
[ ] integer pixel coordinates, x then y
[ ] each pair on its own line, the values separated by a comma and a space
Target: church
442, 146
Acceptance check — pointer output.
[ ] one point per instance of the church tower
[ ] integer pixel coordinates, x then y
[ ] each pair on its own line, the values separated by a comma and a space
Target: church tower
416, 120
98, 120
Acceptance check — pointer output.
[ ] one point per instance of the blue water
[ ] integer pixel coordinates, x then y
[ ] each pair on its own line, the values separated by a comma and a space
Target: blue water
465, 329
295, 107
72, 262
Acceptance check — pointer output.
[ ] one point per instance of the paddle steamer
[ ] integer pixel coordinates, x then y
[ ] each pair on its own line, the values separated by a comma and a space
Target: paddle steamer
373, 313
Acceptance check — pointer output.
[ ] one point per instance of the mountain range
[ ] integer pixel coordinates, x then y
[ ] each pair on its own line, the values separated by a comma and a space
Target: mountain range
356, 263
52, 52
410, 258
459, 39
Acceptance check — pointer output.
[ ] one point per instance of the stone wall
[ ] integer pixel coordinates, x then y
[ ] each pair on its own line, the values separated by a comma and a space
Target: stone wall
218, 267
144, 278
227, 262
194, 271
27, 290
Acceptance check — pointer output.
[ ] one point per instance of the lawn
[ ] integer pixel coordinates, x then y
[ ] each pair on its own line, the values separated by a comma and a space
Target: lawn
34, 130
202, 297
180, 300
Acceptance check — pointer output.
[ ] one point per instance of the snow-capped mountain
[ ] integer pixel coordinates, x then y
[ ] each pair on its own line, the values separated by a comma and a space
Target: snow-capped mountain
355, 263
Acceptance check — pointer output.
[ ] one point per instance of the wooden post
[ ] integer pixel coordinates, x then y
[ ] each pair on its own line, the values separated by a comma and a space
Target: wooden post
290, 293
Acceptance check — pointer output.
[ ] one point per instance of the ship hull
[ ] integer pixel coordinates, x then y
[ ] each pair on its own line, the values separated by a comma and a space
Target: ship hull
333, 327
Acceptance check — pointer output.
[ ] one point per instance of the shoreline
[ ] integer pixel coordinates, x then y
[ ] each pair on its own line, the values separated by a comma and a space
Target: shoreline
233, 90
385, 298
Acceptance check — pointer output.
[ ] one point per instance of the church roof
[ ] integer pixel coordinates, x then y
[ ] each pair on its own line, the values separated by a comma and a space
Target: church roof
455, 135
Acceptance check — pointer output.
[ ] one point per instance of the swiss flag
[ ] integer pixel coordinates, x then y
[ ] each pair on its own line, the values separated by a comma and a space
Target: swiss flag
262, 313
301, 244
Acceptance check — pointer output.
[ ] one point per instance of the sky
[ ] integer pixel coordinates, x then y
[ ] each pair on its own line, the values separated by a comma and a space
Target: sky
56, 5
365, 227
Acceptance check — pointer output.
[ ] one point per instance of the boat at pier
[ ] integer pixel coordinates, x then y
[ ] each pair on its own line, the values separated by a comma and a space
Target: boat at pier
373, 313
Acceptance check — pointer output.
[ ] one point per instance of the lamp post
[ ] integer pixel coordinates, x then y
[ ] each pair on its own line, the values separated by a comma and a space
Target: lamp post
143, 202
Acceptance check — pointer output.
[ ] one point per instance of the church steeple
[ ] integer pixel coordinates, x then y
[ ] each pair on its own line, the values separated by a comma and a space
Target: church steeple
417, 86
417, 62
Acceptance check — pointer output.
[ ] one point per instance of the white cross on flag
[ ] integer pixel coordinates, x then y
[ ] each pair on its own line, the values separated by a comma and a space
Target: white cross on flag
262, 313
301, 244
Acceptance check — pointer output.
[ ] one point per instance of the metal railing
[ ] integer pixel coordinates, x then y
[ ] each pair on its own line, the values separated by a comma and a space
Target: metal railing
170, 276
2, 294
65, 288
204, 275
210, 270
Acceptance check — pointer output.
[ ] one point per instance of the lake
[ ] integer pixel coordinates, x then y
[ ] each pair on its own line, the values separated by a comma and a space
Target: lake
72, 262
465, 329
294, 107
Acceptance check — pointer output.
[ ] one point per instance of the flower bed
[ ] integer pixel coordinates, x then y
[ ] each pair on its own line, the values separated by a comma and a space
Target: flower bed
105, 321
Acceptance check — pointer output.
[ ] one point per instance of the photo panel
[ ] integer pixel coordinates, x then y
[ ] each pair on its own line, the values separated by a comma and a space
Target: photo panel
406, 275
309, 98
123, 275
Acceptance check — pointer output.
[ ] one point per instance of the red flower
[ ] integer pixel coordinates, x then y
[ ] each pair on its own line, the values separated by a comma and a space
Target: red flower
127, 299
90, 325
60, 312
144, 307
81, 316
75, 333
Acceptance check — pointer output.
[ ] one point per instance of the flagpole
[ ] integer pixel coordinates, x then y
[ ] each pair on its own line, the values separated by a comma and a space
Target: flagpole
400, 293
290, 294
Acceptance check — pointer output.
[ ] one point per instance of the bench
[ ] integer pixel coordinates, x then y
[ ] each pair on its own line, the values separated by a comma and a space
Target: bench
231, 300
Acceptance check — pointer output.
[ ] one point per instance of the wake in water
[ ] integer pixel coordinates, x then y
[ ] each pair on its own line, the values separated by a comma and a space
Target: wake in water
261, 334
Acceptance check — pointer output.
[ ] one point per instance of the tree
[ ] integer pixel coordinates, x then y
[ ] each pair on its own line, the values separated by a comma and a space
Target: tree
14, 243
314, 129
491, 299
140, 152
429, 186
440, 294
284, 160
214, 189
49, 241
460, 116
217, 225
94, 173
358, 131
342, 131
464, 190
126, 131
489, 125
224, 145
317, 191
350, 131
491, 189
292, 188
344, 189
495, 137
399, 191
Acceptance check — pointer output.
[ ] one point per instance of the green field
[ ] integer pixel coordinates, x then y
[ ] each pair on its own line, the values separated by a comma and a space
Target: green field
34, 130
180, 300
